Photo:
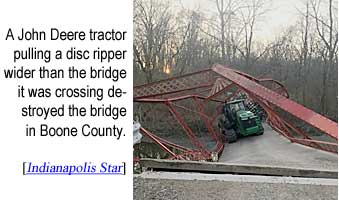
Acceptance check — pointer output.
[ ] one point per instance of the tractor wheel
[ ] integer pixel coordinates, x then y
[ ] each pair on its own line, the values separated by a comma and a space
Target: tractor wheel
261, 132
231, 136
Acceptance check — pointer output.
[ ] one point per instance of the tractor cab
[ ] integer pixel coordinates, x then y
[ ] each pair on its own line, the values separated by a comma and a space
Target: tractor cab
239, 121
231, 108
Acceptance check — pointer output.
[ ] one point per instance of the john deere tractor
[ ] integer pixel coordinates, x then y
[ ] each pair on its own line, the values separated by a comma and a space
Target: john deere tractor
238, 121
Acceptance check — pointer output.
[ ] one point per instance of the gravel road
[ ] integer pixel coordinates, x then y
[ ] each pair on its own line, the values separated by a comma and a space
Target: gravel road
214, 189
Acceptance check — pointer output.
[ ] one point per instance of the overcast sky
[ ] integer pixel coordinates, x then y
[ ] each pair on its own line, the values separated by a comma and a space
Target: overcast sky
282, 14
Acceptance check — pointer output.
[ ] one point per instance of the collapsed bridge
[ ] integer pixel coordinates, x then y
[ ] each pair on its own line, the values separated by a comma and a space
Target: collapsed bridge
201, 94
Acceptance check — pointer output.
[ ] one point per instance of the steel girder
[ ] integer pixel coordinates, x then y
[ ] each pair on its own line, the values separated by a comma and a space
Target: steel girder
218, 84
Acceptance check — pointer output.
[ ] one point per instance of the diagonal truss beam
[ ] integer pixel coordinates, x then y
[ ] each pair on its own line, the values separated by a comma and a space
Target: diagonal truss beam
188, 82
219, 84
314, 119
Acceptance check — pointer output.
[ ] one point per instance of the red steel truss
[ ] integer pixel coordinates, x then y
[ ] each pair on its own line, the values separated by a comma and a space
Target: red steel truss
219, 84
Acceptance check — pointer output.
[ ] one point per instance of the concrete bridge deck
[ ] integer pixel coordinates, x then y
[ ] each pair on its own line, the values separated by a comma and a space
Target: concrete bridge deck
272, 149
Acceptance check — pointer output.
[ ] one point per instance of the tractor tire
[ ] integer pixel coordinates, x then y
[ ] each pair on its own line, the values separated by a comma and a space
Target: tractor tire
261, 132
231, 136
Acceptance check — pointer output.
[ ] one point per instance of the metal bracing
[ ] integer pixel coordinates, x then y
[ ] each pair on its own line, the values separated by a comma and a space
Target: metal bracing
218, 84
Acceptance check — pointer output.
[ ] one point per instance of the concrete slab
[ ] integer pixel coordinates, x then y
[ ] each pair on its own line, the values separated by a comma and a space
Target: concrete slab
272, 149
236, 178
231, 168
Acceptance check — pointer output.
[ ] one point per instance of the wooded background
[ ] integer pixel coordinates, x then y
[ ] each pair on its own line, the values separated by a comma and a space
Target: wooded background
170, 40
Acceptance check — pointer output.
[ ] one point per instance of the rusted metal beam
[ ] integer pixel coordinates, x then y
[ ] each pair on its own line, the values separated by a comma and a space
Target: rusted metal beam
211, 85
314, 119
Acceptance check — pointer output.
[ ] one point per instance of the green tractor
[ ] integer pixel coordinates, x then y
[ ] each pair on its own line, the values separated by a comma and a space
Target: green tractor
238, 121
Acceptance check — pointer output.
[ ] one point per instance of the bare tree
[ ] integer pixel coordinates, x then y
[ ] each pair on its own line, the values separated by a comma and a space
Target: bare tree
226, 10
220, 27
303, 56
326, 26
152, 36
189, 36
302, 48
249, 16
